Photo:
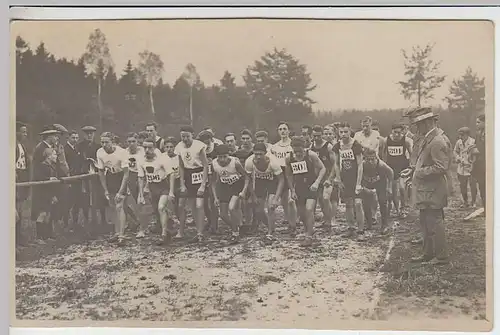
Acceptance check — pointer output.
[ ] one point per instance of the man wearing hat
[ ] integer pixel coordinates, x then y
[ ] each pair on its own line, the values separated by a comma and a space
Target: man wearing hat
62, 164
429, 169
464, 168
478, 157
22, 174
94, 198
49, 136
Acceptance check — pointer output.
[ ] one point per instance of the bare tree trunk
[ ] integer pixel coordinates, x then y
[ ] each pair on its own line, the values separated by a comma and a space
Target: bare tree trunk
99, 101
191, 105
151, 100
418, 93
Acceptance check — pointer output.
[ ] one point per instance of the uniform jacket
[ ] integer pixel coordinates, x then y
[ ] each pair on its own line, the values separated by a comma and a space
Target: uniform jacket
431, 160
74, 159
62, 164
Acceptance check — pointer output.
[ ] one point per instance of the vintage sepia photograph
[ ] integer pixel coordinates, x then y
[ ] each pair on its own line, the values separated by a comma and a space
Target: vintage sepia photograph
269, 173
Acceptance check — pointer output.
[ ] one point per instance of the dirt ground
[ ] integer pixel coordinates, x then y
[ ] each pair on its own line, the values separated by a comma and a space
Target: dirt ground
75, 279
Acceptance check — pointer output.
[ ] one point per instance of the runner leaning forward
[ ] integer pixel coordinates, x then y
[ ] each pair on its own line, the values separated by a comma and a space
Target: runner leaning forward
112, 162
305, 172
193, 170
161, 179
350, 171
229, 185
268, 181
328, 195
280, 150
377, 185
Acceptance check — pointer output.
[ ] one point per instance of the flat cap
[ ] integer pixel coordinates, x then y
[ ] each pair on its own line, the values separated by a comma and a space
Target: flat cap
419, 114
89, 129
464, 130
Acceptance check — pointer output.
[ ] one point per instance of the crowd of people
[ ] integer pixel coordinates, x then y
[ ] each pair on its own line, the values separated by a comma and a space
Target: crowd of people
242, 179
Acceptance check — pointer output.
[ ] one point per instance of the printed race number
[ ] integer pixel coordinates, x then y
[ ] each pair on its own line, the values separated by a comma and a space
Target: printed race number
209, 169
346, 154
230, 180
153, 178
265, 176
395, 150
197, 178
299, 167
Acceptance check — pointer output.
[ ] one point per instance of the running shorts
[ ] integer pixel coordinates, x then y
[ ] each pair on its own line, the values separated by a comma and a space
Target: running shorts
193, 179
225, 192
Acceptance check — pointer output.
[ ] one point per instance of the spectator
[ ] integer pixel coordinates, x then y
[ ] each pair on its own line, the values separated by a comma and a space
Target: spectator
464, 168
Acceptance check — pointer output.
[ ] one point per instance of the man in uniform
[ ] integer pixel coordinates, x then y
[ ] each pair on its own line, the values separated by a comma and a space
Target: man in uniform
94, 193
429, 169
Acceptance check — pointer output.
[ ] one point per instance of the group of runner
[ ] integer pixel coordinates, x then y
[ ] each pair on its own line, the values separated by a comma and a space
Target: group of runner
244, 185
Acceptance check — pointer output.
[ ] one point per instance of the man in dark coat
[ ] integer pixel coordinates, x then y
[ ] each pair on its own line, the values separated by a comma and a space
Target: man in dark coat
94, 199
22, 175
49, 136
74, 160
430, 172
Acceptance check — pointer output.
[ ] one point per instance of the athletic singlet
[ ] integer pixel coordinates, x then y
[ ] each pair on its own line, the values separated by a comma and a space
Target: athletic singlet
273, 168
227, 174
302, 171
397, 153
324, 155
371, 141
159, 143
173, 162
211, 156
372, 176
190, 156
156, 170
21, 161
114, 162
134, 159
280, 151
347, 158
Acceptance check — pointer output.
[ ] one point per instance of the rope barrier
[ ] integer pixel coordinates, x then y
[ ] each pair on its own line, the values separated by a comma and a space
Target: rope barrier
57, 181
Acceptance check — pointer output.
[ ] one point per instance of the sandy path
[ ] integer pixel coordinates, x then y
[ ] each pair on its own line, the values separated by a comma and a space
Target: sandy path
248, 281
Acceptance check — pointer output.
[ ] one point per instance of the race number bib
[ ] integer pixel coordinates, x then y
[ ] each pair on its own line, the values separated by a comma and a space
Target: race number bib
153, 178
109, 168
21, 162
197, 178
230, 180
209, 169
395, 150
346, 158
299, 167
265, 176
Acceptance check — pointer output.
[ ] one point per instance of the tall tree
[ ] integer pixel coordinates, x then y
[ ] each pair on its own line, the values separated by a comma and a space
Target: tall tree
150, 69
191, 76
280, 84
98, 61
467, 94
422, 75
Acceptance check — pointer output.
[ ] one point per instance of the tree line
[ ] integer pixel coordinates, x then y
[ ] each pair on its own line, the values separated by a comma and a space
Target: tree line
90, 90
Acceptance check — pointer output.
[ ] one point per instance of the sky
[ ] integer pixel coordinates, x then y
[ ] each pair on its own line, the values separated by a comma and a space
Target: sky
355, 64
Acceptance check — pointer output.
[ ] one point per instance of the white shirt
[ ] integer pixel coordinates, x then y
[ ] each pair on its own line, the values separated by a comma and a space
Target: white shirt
227, 174
372, 141
135, 159
273, 169
114, 162
156, 170
190, 156
280, 151
21, 160
173, 162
